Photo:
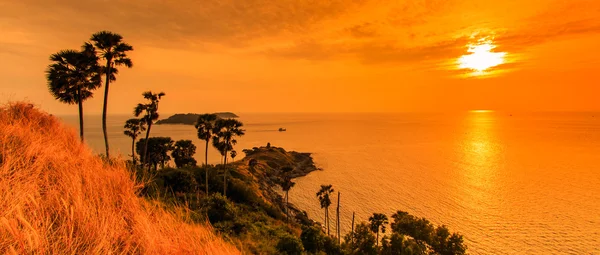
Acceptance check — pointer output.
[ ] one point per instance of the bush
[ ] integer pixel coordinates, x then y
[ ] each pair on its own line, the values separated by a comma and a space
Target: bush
183, 153
178, 180
362, 241
312, 239
218, 208
290, 245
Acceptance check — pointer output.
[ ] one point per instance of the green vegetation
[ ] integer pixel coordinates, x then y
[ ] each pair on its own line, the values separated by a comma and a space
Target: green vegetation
192, 118
251, 211
183, 153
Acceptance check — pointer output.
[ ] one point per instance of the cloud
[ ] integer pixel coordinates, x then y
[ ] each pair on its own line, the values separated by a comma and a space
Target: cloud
370, 31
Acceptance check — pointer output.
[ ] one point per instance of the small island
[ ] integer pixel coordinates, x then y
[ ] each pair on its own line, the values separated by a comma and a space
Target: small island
191, 118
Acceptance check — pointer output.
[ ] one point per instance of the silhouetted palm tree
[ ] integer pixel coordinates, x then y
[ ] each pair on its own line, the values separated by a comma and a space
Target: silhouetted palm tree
73, 76
225, 131
378, 221
286, 185
205, 125
233, 154
150, 110
133, 128
113, 50
325, 201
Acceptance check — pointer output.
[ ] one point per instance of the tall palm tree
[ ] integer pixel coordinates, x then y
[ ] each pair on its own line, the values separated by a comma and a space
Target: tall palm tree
133, 128
378, 221
150, 111
325, 200
225, 131
286, 185
205, 125
73, 76
113, 50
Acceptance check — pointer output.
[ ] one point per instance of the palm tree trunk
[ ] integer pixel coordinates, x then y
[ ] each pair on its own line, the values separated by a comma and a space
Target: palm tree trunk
80, 112
377, 243
327, 208
338, 219
352, 235
145, 160
287, 205
104, 107
133, 151
325, 219
206, 165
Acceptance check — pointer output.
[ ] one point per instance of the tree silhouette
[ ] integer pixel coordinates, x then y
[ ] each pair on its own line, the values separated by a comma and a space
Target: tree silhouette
133, 128
73, 76
205, 125
325, 200
233, 154
378, 221
286, 185
183, 153
225, 131
361, 241
110, 48
150, 111
158, 149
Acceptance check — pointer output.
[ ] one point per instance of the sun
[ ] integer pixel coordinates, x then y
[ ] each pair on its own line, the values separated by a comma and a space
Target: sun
481, 57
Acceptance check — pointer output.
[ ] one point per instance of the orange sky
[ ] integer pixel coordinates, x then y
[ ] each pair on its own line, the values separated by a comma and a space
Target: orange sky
314, 56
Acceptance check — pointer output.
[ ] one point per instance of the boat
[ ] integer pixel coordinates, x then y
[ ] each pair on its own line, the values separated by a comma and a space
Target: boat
282, 129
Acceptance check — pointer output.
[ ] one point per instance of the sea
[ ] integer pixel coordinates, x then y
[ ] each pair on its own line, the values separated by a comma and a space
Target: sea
511, 183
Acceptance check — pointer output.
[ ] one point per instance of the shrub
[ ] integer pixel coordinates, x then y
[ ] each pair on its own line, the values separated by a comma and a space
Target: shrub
178, 180
290, 245
218, 208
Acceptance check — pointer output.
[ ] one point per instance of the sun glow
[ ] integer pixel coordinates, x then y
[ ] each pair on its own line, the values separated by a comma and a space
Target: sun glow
481, 57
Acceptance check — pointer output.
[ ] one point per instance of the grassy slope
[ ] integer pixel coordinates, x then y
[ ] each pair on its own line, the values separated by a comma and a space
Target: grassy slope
56, 197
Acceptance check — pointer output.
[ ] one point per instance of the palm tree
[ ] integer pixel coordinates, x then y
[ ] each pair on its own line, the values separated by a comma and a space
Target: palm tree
113, 50
325, 201
73, 76
133, 128
150, 116
225, 131
205, 125
378, 221
286, 185
233, 154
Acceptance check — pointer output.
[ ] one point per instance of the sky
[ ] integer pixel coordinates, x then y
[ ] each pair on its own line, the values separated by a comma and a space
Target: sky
315, 55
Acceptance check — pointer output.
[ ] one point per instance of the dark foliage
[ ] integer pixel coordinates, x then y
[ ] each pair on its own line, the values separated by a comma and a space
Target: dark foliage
158, 151
290, 245
183, 153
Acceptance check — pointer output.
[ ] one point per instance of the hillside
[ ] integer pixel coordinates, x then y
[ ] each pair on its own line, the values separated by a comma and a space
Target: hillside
191, 118
57, 197
253, 212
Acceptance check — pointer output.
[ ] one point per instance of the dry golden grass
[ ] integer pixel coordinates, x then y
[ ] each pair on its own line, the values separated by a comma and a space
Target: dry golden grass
56, 197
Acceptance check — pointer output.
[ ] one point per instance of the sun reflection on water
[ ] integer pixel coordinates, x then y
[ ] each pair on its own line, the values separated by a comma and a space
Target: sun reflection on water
481, 155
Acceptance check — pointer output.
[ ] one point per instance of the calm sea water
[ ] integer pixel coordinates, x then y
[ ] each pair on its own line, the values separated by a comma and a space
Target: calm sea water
521, 184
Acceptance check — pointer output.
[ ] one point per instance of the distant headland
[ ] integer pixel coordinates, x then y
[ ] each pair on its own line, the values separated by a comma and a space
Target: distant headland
191, 118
